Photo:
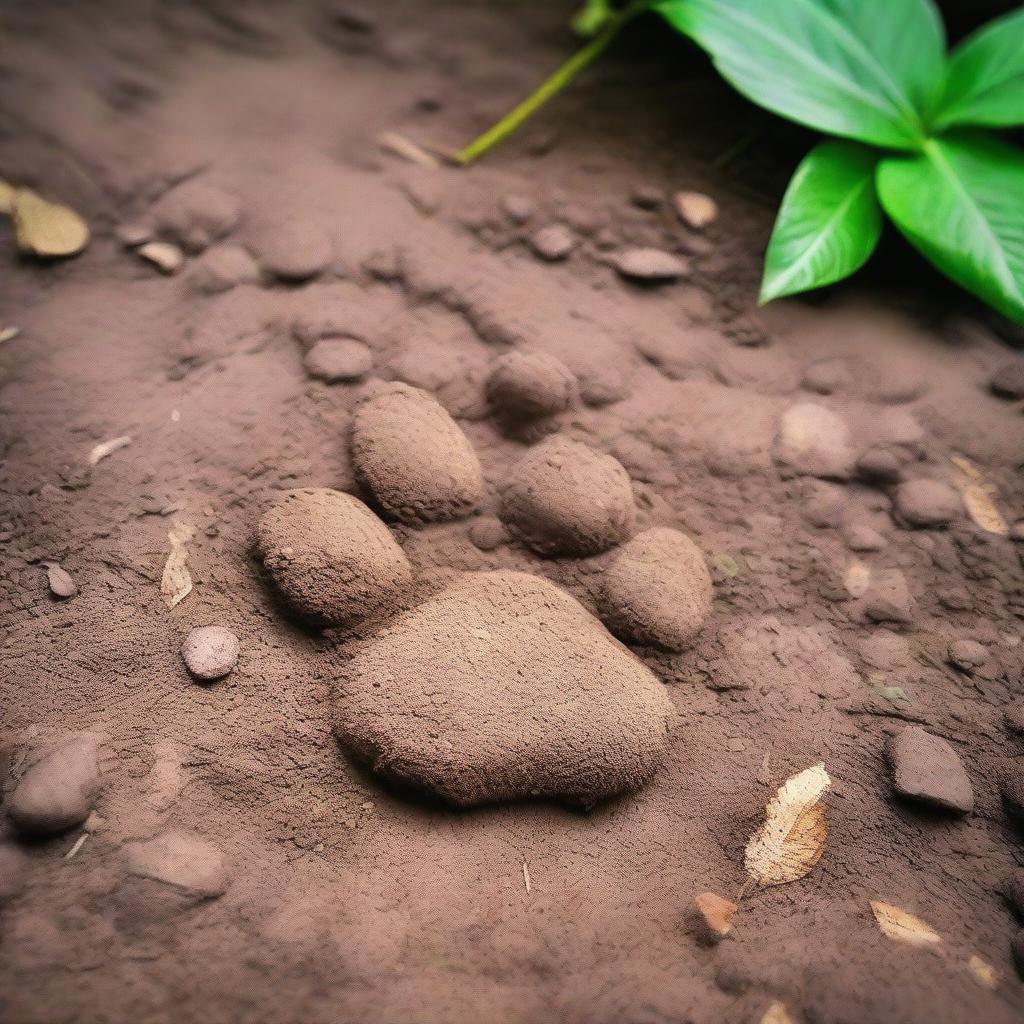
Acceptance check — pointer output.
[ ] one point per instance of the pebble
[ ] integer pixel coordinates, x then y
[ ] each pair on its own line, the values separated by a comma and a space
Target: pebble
564, 498
518, 209
1008, 381
695, 209
650, 266
488, 533
1012, 789
60, 581
827, 376
223, 267
928, 503
332, 560
210, 652
192, 866
888, 598
967, 654
196, 214
862, 538
414, 457
165, 256
13, 871
715, 914
880, 465
58, 791
926, 768
646, 197
553, 243
294, 250
1017, 531
339, 359
527, 385
503, 687
131, 235
814, 441
657, 591
823, 504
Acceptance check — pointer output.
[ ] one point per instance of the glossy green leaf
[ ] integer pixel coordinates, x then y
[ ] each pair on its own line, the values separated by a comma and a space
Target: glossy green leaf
592, 17
985, 83
870, 70
960, 202
829, 222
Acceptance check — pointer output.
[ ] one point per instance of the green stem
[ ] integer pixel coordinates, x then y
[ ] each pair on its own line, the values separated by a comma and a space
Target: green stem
552, 85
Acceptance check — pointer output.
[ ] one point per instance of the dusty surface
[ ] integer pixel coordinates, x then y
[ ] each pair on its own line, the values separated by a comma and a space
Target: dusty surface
236, 865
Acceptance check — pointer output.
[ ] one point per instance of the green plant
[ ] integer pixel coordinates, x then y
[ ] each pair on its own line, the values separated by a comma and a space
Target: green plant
913, 125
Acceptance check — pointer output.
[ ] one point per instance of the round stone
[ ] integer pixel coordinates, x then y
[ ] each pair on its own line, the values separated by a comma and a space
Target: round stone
210, 652
527, 385
339, 359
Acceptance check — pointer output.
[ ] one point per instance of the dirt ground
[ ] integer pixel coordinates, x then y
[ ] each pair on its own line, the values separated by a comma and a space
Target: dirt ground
304, 887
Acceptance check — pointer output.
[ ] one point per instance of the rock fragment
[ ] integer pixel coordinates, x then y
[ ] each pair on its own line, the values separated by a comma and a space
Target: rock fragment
967, 654
293, 250
567, 499
880, 465
888, 598
527, 385
553, 243
414, 457
58, 790
928, 503
1008, 381
196, 214
223, 267
210, 652
658, 590
650, 266
926, 768
330, 557
337, 360
715, 914
695, 209
814, 441
502, 687
60, 581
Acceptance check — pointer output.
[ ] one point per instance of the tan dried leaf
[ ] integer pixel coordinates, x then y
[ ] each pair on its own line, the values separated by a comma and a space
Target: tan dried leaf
405, 148
716, 912
983, 971
42, 228
776, 1014
695, 209
901, 926
978, 499
101, 451
176, 583
792, 838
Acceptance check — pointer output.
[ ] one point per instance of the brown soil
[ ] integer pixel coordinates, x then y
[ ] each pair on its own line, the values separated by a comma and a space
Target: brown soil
238, 866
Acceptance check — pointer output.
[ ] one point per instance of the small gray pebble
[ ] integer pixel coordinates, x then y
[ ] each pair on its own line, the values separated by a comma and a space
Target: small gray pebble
650, 265
210, 652
553, 243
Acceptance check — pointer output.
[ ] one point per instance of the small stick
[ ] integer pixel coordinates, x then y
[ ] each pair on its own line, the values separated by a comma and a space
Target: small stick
526, 877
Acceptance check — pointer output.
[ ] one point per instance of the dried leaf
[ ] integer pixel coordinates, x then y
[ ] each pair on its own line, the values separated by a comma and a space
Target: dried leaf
978, 497
9, 333
716, 912
984, 972
901, 926
101, 451
695, 209
42, 228
176, 583
165, 256
776, 1014
792, 838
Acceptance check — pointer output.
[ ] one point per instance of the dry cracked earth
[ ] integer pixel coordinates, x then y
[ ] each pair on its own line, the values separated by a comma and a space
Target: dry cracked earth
416, 581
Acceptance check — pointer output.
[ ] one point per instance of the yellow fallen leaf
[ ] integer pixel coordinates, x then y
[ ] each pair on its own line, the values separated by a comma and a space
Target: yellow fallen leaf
101, 451
176, 583
776, 1014
792, 838
983, 971
6, 196
42, 228
982, 509
901, 926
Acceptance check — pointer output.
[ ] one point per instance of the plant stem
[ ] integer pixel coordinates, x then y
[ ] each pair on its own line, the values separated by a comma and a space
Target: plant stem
552, 85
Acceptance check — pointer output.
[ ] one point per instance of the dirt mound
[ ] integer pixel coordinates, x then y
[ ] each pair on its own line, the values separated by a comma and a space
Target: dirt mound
503, 687
331, 558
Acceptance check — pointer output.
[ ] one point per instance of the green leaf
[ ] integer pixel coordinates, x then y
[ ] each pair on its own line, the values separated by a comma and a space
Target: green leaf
592, 17
985, 82
866, 69
829, 222
960, 202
